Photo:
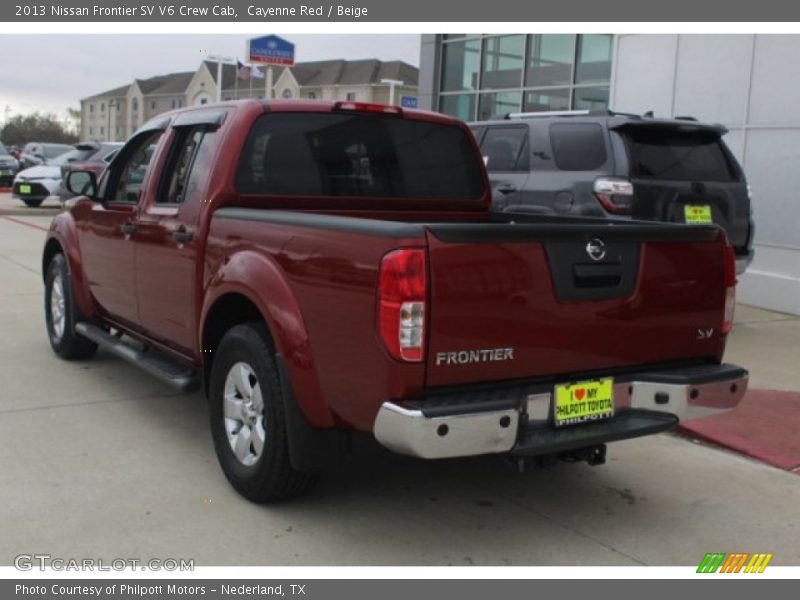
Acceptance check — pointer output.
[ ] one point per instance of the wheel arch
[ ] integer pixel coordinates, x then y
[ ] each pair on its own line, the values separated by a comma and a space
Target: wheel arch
232, 298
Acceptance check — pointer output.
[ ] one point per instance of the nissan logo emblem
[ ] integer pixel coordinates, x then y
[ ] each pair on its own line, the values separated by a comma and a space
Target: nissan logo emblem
596, 249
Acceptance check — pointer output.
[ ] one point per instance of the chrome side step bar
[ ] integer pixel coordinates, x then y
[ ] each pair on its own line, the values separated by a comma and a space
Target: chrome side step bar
173, 374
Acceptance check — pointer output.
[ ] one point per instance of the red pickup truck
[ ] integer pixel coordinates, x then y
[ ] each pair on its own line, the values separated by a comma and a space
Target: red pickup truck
326, 268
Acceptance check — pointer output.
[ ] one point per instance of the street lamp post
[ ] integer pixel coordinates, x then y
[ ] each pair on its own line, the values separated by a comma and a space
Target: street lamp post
392, 83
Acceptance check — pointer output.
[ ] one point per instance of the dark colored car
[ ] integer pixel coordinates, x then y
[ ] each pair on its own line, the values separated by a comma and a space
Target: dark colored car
87, 156
8, 167
619, 166
322, 269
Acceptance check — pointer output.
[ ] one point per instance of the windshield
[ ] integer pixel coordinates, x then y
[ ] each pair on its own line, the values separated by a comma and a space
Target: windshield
661, 153
334, 154
3, 151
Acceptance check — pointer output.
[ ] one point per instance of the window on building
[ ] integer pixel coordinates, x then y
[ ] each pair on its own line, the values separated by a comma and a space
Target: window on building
578, 146
103, 107
591, 98
461, 63
91, 108
203, 100
102, 130
91, 131
152, 105
312, 96
503, 60
550, 99
498, 103
173, 103
550, 59
135, 104
461, 106
594, 59
484, 76
351, 96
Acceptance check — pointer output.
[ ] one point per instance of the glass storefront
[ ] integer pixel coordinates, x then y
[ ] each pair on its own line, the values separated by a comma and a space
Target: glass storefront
487, 75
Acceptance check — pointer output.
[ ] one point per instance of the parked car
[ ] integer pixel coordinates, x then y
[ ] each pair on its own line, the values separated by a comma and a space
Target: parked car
619, 166
38, 153
326, 268
8, 167
35, 184
87, 156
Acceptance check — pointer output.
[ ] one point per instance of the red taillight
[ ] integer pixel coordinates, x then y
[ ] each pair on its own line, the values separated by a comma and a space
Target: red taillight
615, 194
402, 290
730, 288
368, 107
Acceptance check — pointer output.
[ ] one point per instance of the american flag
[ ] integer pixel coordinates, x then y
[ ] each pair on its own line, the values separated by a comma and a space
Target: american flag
242, 71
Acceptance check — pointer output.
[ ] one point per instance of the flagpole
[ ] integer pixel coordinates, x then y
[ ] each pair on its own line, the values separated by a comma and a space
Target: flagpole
250, 95
236, 80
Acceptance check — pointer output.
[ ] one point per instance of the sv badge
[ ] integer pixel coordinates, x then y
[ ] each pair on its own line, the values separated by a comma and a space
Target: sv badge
705, 334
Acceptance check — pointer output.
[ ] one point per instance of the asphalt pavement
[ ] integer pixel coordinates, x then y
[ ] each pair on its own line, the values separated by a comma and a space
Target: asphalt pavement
100, 460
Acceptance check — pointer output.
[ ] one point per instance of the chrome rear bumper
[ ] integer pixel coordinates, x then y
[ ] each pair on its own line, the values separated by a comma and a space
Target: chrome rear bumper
643, 403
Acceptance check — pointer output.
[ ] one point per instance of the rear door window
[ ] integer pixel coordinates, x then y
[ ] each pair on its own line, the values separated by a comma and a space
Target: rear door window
505, 149
578, 146
334, 154
661, 153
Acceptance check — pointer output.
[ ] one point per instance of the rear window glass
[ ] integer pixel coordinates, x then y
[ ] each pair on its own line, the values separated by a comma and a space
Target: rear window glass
578, 146
668, 154
331, 154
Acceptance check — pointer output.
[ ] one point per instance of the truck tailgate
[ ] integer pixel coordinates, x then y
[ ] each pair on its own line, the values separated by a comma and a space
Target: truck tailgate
515, 301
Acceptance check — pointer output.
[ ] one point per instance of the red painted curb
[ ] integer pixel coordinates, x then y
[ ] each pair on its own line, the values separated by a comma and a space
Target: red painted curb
765, 426
21, 222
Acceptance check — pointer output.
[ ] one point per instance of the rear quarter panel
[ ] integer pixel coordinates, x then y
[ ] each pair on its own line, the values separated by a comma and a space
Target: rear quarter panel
317, 289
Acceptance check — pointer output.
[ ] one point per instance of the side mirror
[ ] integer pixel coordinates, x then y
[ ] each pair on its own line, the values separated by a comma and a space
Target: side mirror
82, 183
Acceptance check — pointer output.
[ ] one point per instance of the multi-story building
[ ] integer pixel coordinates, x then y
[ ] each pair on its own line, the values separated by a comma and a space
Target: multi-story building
115, 114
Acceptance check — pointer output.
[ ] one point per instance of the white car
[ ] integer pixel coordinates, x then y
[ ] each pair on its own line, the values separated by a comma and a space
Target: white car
34, 185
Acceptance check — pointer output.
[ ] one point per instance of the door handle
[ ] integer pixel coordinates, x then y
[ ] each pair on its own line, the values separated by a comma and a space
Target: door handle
128, 227
506, 188
182, 236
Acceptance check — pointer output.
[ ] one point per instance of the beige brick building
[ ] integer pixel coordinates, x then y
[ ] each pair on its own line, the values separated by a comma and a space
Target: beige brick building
115, 114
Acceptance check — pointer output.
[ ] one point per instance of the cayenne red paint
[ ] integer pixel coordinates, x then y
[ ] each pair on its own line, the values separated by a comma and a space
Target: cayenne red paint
318, 290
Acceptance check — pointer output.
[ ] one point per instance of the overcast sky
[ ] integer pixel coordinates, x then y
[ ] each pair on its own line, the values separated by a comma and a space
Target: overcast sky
50, 73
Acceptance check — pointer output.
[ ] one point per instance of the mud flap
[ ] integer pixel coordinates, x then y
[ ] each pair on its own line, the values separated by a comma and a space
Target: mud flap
310, 449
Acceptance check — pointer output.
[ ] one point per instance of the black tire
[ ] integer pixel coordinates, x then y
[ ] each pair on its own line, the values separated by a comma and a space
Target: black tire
68, 345
32, 203
271, 477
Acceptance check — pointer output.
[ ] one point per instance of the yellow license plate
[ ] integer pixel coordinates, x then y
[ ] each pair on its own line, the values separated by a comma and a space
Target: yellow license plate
697, 213
24, 189
583, 401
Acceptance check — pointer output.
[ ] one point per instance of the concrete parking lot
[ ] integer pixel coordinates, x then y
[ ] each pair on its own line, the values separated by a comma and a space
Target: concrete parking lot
99, 460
